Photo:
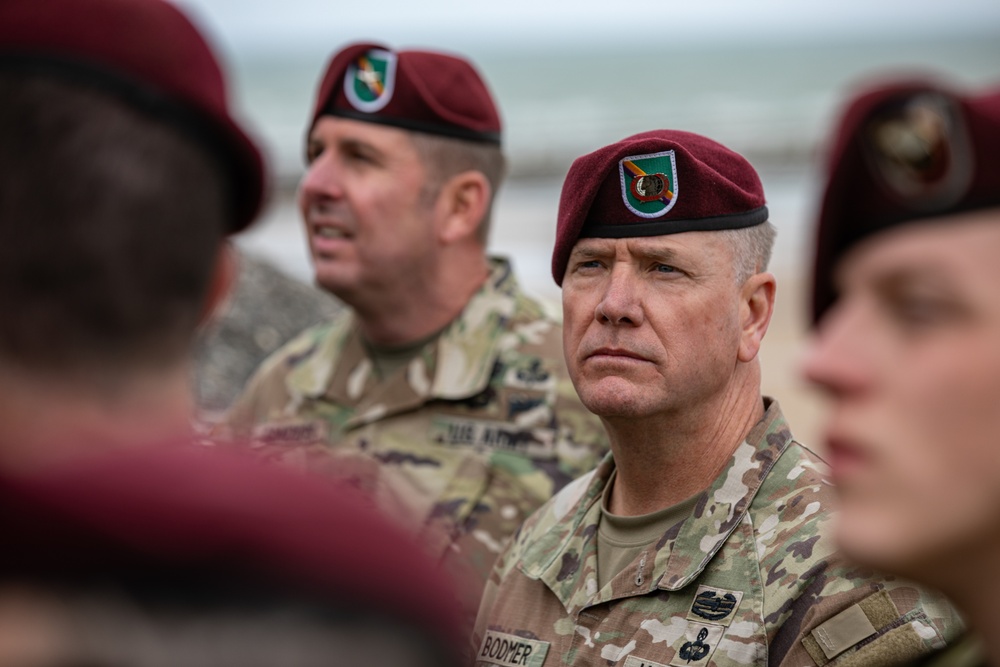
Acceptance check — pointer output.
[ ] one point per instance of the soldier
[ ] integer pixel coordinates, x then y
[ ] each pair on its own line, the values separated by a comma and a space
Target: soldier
442, 389
703, 538
907, 318
122, 172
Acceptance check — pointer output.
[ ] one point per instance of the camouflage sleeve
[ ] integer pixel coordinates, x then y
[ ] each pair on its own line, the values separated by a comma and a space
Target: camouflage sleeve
853, 617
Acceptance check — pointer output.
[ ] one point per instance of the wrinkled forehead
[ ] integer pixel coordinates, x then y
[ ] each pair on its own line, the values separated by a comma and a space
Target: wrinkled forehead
702, 248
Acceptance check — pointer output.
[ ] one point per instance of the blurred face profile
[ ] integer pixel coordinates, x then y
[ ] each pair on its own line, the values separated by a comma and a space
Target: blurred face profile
910, 357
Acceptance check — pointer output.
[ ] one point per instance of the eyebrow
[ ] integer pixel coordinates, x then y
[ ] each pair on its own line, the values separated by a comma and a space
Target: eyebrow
594, 250
347, 143
353, 143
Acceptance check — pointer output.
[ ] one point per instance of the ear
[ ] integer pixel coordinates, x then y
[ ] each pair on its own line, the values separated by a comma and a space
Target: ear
462, 205
756, 308
221, 282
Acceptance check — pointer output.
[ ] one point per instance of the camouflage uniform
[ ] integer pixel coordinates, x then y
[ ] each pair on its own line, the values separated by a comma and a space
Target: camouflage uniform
479, 430
750, 578
966, 651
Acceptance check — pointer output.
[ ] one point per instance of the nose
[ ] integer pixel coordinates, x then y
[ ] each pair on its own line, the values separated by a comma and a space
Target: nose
321, 180
838, 357
620, 304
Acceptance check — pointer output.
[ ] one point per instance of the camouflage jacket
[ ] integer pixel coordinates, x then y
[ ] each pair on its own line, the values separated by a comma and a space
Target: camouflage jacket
751, 577
477, 432
966, 651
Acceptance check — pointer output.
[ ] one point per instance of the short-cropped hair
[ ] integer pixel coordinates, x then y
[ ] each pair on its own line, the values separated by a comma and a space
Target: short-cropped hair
752, 248
110, 224
446, 157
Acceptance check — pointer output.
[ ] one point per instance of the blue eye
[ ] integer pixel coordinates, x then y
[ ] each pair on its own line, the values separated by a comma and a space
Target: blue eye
665, 268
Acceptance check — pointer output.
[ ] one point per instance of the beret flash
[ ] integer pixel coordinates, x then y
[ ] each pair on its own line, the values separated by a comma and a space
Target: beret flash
904, 151
655, 183
150, 54
422, 91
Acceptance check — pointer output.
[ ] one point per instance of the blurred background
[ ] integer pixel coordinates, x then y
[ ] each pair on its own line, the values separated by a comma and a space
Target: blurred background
766, 78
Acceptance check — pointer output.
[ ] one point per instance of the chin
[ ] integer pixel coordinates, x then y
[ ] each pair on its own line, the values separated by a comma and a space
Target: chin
875, 540
333, 281
613, 405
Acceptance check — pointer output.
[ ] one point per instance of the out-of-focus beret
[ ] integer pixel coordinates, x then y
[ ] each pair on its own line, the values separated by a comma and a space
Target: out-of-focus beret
165, 516
655, 183
149, 53
904, 151
422, 91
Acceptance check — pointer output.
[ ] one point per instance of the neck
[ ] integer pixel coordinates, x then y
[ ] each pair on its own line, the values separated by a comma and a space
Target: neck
666, 458
416, 309
47, 419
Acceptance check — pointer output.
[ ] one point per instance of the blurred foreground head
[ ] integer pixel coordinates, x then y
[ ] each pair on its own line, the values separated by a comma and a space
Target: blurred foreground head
121, 172
166, 557
907, 313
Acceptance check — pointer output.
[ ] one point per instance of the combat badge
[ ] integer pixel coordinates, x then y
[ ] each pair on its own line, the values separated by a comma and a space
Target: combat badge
714, 605
370, 80
649, 183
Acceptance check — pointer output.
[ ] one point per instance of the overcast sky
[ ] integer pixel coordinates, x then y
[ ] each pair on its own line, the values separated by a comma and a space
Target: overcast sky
242, 25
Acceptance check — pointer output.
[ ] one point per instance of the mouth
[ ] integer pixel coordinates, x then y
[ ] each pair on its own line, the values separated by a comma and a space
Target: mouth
847, 457
615, 354
328, 236
327, 232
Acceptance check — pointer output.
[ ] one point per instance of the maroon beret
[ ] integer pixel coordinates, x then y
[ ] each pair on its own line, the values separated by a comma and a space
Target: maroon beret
163, 514
904, 151
423, 91
655, 183
149, 53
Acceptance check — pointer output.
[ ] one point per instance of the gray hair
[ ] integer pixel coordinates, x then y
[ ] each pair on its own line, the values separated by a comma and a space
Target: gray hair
751, 249
445, 157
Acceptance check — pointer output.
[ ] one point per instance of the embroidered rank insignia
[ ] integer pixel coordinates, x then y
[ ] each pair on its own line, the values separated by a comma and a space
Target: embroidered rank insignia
649, 183
369, 80
714, 605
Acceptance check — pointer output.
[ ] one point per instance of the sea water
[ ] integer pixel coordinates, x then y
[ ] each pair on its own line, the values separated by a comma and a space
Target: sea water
775, 102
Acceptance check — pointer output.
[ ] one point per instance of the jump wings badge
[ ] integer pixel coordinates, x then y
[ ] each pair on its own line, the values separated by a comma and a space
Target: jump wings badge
649, 183
369, 80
